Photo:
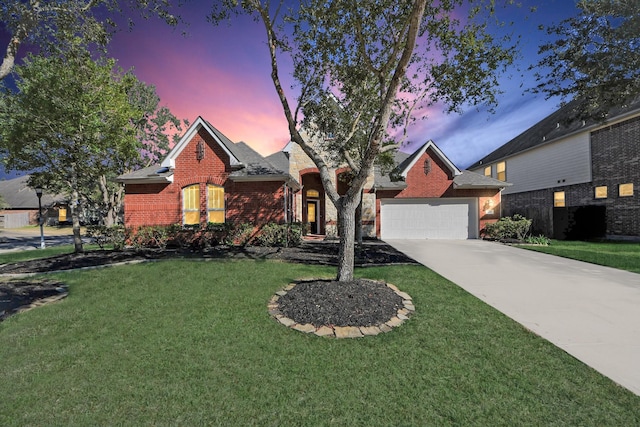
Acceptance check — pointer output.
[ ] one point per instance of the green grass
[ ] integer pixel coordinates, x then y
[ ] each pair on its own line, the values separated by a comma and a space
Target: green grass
621, 255
191, 343
17, 256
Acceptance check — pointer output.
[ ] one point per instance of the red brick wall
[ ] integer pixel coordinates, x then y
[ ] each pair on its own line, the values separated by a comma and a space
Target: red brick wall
161, 204
434, 184
439, 183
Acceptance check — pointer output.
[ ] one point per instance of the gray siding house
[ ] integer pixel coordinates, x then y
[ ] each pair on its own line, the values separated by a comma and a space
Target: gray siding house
574, 178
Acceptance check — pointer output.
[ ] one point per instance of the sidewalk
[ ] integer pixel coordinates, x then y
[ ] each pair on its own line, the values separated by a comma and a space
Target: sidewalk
591, 312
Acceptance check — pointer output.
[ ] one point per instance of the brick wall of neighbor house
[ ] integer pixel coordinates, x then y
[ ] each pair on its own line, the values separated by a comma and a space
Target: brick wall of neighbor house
615, 152
615, 155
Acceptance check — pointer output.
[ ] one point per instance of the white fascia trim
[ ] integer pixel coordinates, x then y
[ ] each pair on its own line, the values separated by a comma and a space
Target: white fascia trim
170, 160
440, 154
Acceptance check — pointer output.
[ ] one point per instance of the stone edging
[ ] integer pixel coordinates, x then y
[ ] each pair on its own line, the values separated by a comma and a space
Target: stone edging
401, 316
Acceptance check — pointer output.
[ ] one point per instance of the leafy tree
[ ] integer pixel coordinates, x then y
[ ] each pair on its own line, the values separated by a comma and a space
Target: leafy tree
153, 128
3, 203
68, 119
363, 72
595, 56
52, 25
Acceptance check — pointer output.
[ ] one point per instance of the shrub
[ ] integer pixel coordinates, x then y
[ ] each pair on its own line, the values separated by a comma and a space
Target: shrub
239, 234
149, 236
280, 235
515, 227
538, 240
103, 235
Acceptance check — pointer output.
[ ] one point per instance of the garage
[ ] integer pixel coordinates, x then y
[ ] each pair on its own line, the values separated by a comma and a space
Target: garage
442, 218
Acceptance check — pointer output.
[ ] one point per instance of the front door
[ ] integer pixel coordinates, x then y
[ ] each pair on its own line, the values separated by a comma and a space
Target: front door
312, 216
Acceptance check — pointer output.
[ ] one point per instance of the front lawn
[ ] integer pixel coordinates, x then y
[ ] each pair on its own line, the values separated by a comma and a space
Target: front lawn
621, 255
191, 343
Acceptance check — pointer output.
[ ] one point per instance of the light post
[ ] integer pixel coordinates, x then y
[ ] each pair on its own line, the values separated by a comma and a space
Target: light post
40, 218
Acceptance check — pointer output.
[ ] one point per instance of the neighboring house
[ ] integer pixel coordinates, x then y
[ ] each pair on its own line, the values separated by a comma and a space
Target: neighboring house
22, 205
208, 178
573, 178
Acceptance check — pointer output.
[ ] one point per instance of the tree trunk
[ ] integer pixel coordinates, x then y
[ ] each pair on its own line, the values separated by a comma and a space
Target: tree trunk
346, 228
75, 216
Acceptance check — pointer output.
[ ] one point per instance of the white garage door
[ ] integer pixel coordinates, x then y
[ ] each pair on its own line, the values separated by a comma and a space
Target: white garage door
428, 219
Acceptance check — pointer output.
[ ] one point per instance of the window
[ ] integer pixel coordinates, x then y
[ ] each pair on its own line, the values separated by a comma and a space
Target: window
215, 204
313, 194
625, 190
601, 192
62, 215
501, 171
558, 199
191, 204
487, 171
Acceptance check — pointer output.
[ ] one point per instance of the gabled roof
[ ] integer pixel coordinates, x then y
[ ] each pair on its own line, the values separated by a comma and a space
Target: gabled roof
247, 164
407, 164
395, 180
559, 124
18, 195
225, 143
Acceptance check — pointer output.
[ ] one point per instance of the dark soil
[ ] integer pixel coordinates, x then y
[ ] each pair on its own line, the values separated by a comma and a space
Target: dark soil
355, 304
17, 294
361, 302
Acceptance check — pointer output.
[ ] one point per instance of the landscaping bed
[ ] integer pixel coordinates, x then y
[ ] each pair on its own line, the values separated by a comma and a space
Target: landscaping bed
18, 293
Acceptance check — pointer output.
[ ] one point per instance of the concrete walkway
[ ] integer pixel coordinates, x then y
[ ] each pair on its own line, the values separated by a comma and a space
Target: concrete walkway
591, 312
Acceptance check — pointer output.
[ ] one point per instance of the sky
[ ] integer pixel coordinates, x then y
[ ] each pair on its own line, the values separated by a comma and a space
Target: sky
222, 73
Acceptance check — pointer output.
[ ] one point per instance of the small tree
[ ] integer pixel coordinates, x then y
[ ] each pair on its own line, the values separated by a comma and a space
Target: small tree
363, 70
595, 57
68, 118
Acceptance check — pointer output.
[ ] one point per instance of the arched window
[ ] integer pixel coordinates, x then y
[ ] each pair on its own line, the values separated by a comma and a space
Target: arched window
215, 204
191, 204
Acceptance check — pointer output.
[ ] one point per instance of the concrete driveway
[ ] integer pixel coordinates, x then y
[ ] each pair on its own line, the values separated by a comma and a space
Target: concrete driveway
591, 312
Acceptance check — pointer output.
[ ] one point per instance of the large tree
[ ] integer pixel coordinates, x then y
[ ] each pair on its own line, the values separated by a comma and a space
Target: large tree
68, 119
363, 70
51, 25
154, 128
595, 56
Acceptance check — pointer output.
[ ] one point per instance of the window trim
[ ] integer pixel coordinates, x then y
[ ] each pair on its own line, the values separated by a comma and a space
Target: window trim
601, 192
187, 198
626, 189
501, 175
211, 209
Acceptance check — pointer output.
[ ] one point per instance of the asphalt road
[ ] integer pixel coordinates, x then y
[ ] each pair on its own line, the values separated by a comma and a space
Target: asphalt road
27, 238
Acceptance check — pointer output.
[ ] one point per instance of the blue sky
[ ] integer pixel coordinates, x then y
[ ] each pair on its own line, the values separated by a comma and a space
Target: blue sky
222, 73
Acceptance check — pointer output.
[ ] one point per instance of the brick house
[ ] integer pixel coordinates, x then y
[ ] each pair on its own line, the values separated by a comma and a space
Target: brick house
208, 178
574, 178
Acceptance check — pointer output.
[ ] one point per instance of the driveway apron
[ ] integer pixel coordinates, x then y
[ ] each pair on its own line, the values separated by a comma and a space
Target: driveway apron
591, 312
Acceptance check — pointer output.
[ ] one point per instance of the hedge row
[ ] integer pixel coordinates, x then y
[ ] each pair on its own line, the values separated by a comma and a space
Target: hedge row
197, 237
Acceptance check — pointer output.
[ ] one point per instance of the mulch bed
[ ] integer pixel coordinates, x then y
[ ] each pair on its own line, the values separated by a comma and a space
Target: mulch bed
330, 303
351, 304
